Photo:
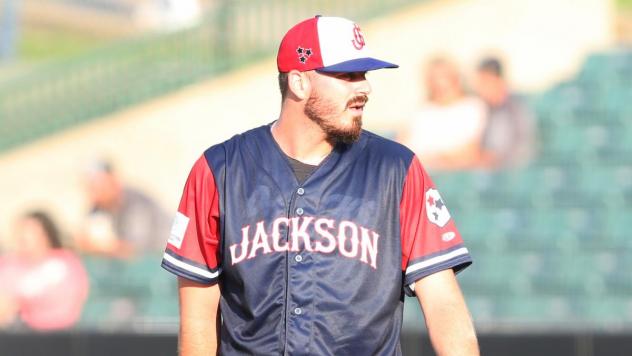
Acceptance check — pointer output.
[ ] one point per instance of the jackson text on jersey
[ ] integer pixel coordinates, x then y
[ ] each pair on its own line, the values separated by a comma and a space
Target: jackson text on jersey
349, 239
318, 268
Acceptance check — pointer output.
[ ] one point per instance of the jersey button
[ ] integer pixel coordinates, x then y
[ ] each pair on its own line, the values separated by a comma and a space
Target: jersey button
300, 191
299, 211
298, 258
298, 311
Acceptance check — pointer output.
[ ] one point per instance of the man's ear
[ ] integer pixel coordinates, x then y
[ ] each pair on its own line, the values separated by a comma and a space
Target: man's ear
299, 84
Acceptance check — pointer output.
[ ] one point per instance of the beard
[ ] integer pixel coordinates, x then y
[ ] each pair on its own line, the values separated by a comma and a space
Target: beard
323, 113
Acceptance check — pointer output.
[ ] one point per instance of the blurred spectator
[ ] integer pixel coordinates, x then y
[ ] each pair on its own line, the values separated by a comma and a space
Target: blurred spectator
42, 285
123, 221
446, 131
509, 136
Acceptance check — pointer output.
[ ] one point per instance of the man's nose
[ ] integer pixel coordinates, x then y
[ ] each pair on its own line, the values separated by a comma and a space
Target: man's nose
363, 87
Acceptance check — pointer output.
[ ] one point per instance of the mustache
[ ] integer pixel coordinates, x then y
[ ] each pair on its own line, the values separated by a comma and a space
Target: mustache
360, 99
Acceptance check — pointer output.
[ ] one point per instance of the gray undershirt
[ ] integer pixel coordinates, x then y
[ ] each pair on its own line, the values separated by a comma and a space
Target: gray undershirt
301, 170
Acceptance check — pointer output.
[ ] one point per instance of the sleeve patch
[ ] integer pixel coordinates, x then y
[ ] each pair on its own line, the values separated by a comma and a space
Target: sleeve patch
436, 210
179, 227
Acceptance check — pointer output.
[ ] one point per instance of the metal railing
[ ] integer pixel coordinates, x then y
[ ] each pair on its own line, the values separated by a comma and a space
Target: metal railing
58, 95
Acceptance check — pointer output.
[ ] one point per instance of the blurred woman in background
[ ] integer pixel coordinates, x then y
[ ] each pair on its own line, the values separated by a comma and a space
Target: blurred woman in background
43, 286
446, 131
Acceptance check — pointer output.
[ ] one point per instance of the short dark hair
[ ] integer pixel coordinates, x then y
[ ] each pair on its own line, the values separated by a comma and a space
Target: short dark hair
283, 86
50, 229
491, 65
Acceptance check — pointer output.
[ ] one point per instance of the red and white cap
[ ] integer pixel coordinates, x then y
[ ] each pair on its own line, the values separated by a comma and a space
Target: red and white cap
326, 44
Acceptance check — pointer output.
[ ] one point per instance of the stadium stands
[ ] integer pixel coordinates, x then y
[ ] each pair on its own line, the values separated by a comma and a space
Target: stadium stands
551, 242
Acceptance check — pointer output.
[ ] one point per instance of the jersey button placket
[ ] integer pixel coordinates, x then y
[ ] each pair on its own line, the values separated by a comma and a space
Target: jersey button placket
299, 212
300, 286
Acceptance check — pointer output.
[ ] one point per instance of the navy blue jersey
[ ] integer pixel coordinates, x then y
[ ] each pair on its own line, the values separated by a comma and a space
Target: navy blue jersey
319, 268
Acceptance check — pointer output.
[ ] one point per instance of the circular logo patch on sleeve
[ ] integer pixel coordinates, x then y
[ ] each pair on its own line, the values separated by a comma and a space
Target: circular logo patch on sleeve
436, 210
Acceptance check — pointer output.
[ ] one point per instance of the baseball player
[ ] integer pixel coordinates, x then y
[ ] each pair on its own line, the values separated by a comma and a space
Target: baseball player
302, 237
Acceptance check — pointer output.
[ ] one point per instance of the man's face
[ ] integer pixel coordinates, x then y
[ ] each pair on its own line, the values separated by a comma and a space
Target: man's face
103, 189
490, 87
336, 104
442, 81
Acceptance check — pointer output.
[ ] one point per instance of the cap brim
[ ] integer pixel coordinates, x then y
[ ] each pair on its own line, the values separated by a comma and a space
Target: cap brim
357, 65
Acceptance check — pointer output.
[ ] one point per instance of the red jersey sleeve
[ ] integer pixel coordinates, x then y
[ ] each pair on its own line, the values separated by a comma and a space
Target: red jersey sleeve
429, 238
192, 250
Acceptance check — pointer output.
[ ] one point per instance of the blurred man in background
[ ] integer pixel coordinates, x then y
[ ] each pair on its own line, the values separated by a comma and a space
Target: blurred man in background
123, 221
508, 140
42, 285
446, 131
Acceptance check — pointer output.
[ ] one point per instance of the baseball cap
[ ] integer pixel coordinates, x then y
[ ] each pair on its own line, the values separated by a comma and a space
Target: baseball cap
326, 44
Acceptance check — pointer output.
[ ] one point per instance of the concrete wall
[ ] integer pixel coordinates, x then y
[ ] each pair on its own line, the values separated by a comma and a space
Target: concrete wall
153, 145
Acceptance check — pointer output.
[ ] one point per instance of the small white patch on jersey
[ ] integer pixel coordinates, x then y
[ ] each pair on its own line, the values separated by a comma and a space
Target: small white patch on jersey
448, 236
436, 210
179, 227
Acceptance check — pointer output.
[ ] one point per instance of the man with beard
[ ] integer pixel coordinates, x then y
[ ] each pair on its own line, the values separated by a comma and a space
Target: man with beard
303, 236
